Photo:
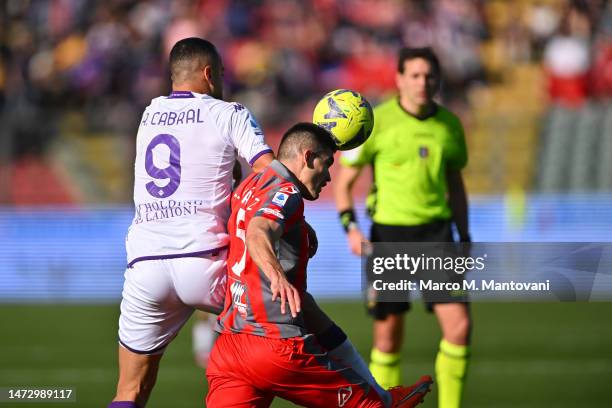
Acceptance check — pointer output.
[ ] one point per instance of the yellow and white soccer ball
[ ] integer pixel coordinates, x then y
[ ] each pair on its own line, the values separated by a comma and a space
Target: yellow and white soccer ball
347, 115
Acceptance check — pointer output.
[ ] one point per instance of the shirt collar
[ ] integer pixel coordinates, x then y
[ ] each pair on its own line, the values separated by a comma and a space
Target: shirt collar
280, 169
180, 94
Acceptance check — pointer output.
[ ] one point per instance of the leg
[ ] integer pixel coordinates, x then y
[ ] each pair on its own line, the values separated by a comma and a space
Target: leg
389, 333
388, 327
200, 283
151, 316
455, 322
203, 337
137, 375
346, 354
309, 376
388, 336
296, 369
452, 359
304, 374
230, 393
228, 384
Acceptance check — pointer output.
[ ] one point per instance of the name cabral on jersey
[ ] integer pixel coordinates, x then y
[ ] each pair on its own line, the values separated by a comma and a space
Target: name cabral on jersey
171, 118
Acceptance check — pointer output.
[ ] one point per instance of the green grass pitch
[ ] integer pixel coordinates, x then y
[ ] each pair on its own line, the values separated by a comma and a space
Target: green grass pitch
524, 355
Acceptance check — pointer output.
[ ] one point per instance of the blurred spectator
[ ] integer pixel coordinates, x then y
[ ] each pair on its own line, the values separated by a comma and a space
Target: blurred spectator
102, 61
543, 21
601, 74
567, 59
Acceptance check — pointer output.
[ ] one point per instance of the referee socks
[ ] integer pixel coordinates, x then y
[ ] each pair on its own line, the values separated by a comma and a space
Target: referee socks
451, 370
385, 368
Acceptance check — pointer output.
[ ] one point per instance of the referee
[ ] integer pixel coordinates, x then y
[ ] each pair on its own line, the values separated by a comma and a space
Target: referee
417, 150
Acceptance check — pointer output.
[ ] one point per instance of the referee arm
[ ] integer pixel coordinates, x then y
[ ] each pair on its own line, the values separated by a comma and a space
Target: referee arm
457, 201
343, 195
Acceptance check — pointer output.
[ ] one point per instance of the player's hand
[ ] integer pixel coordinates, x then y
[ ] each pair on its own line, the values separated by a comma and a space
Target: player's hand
355, 239
313, 242
281, 288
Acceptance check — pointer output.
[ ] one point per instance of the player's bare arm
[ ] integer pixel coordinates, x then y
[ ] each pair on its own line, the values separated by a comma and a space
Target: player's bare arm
343, 195
261, 237
457, 200
262, 162
343, 186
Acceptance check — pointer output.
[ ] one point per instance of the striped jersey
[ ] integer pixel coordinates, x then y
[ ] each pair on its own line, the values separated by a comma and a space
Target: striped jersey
272, 194
186, 147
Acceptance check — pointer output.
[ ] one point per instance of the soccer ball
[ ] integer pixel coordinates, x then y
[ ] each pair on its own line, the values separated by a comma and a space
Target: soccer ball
347, 116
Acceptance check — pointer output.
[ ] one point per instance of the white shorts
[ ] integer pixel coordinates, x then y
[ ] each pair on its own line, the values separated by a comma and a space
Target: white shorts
159, 296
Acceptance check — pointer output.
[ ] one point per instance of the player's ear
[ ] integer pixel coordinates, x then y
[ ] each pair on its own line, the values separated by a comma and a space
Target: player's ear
208, 73
398, 79
309, 157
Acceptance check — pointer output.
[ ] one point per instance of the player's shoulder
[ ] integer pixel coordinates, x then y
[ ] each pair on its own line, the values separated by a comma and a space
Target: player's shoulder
388, 107
388, 116
156, 102
274, 180
221, 106
288, 188
285, 195
447, 116
276, 177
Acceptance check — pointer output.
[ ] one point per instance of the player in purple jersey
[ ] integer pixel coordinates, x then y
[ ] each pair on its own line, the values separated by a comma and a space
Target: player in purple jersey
187, 144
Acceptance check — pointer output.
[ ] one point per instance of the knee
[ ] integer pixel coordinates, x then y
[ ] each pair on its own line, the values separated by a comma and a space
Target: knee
388, 339
387, 345
458, 331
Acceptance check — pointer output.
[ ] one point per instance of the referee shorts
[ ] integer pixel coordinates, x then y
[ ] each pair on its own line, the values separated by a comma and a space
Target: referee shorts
248, 371
437, 231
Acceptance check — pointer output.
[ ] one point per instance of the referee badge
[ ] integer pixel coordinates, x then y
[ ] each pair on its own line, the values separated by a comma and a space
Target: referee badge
423, 151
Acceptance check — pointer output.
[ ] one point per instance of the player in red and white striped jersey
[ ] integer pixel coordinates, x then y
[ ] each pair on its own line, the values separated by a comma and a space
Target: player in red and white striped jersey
265, 350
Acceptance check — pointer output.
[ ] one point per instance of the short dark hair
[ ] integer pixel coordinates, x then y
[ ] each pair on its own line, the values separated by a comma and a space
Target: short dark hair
407, 53
188, 49
305, 135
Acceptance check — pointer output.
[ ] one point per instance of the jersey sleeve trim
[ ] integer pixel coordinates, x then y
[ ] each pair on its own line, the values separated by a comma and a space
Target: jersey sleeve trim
269, 217
258, 155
